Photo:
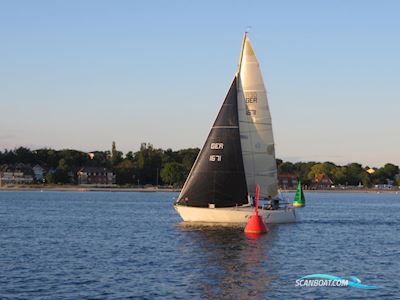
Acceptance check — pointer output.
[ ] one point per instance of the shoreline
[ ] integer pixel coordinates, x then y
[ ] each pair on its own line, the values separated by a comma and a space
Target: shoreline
79, 188
153, 189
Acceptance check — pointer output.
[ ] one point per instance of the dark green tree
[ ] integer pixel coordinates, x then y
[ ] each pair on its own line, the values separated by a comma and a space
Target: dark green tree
149, 162
51, 178
173, 173
287, 168
130, 155
188, 157
126, 172
24, 155
302, 169
61, 172
116, 156
339, 175
387, 173
354, 173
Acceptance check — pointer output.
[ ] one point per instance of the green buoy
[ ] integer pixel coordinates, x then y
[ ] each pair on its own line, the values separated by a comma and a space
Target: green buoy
299, 199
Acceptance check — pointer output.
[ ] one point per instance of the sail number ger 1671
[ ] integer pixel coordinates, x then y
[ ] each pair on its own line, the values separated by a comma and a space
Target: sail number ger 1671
216, 146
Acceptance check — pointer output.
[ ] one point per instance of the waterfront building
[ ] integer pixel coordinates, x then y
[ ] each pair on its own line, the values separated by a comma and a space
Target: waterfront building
38, 173
17, 174
287, 181
321, 181
96, 175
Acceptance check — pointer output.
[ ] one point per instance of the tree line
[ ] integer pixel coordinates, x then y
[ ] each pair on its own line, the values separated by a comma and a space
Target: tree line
154, 166
148, 166
352, 174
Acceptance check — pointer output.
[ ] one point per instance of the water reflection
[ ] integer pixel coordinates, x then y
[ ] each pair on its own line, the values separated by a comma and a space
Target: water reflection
230, 264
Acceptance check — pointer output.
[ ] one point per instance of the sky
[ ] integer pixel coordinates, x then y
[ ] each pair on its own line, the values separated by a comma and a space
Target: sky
81, 74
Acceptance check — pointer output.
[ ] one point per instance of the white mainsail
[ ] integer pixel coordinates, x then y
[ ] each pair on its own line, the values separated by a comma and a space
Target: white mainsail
255, 125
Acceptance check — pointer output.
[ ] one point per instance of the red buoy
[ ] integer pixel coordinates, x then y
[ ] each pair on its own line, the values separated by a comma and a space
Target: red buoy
255, 225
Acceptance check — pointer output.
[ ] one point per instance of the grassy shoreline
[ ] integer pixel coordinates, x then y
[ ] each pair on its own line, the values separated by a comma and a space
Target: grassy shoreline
82, 188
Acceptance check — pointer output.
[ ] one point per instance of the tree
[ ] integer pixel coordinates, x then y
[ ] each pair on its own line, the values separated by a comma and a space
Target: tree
303, 168
170, 156
365, 179
130, 155
286, 167
8, 157
100, 159
188, 157
149, 161
325, 168
61, 173
397, 181
354, 173
339, 175
51, 178
278, 162
390, 171
126, 172
173, 173
47, 158
116, 156
387, 172
24, 155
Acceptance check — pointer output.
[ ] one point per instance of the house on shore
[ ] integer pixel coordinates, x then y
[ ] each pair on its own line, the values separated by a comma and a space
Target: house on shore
287, 181
16, 174
96, 175
321, 182
38, 173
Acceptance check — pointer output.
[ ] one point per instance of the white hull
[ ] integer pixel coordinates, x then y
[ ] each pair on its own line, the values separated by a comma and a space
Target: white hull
237, 215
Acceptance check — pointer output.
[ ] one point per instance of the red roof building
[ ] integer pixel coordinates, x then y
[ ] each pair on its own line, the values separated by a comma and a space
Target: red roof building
287, 181
321, 181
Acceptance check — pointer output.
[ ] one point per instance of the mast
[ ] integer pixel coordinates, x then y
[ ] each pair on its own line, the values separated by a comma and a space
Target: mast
241, 53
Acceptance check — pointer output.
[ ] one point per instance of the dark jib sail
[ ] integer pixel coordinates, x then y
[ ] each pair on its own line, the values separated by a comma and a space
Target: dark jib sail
217, 177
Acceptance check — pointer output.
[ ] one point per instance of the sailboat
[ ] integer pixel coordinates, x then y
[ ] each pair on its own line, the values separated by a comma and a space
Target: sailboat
238, 154
299, 199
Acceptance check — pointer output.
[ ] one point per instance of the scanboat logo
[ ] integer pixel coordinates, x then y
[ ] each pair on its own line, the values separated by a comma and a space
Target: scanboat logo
333, 281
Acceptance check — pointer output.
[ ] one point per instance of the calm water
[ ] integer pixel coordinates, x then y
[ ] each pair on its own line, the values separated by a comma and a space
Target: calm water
71, 245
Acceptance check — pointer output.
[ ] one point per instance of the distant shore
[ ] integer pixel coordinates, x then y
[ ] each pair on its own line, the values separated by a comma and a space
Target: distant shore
84, 188
152, 189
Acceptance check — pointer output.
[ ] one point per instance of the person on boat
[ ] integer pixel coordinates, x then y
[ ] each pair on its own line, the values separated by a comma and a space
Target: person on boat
275, 204
269, 202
